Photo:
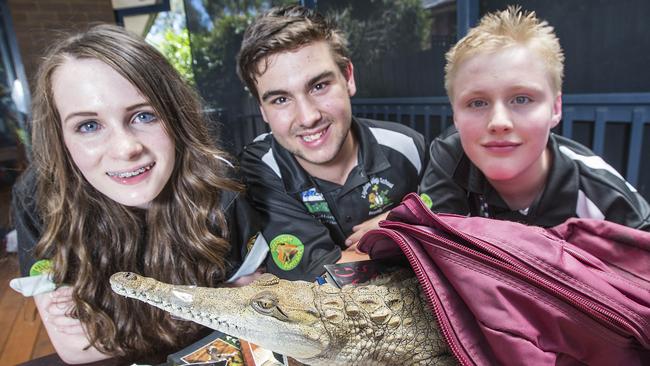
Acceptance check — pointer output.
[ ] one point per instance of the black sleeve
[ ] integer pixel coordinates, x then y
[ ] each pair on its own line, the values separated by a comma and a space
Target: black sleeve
243, 223
616, 199
438, 183
631, 210
28, 223
299, 244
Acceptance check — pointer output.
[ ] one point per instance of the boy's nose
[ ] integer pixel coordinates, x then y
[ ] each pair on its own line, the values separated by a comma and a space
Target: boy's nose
308, 113
500, 120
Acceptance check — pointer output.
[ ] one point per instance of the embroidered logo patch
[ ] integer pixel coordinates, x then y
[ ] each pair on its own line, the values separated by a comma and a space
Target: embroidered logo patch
40, 267
377, 192
287, 251
426, 199
311, 195
317, 206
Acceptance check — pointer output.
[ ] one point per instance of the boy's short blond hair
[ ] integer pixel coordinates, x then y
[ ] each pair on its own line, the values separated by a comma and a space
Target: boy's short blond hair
507, 28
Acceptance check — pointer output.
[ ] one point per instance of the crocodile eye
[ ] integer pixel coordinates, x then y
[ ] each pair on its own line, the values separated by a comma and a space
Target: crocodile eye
264, 302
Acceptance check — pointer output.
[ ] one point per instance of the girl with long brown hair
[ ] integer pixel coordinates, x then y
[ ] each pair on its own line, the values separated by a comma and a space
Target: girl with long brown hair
125, 177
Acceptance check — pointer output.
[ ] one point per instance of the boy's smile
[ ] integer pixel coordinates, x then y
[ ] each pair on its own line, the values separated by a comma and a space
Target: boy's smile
504, 108
305, 99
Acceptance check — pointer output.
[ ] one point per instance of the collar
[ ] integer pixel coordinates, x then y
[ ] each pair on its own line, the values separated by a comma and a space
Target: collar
558, 200
370, 160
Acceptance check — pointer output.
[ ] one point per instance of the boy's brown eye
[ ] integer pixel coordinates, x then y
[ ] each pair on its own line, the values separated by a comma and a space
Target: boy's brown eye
280, 100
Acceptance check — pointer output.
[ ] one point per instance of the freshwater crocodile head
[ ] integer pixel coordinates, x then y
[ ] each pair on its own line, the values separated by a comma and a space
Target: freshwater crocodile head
385, 322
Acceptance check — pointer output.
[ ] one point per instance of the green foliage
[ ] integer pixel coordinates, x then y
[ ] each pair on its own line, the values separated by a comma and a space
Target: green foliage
376, 28
176, 48
215, 50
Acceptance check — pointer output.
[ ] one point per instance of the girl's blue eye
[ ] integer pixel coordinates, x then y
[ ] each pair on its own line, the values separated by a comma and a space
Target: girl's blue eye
145, 117
522, 100
88, 126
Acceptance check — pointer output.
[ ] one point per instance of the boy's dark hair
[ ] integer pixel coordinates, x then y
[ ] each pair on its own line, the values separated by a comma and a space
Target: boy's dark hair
283, 29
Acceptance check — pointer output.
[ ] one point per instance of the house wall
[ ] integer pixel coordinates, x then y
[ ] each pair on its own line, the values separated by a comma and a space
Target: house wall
605, 42
39, 23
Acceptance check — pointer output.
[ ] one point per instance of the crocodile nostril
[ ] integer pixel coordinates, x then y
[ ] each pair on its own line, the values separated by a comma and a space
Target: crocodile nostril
130, 276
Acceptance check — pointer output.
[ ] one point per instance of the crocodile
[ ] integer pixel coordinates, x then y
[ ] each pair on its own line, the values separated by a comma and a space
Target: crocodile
383, 322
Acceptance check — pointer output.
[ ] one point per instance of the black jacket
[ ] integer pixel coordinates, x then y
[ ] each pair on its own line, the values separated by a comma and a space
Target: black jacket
580, 184
307, 219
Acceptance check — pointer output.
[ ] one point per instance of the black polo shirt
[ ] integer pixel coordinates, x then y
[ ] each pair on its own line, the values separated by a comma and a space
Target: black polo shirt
579, 184
308, 219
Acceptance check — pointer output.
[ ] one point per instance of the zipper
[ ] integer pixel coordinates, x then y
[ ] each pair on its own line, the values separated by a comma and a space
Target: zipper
600, 312
443, 321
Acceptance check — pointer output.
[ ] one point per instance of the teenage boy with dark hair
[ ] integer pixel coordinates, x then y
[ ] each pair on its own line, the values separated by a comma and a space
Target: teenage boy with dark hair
504, 81
322, 178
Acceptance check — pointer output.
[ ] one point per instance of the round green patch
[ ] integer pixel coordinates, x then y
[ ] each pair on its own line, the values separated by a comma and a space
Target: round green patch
40, 267
287, 251
426, 199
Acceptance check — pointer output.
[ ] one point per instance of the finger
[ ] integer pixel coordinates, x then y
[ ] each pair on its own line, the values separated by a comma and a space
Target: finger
61, 296
351, 240
70, 330
59, 308
62, 293
63, 321
352, 248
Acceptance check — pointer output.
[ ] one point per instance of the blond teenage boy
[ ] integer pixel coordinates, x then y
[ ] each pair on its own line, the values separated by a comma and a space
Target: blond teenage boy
504, 82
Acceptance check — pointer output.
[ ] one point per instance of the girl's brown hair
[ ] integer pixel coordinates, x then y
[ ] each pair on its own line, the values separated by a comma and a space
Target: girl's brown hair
180, 239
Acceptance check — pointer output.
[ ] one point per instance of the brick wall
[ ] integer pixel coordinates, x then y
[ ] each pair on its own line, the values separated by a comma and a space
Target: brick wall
38, 23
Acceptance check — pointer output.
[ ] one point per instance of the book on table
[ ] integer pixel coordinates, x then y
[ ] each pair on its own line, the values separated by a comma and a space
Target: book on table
220, 349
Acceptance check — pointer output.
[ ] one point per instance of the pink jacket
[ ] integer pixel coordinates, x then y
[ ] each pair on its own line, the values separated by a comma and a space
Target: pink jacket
509, 294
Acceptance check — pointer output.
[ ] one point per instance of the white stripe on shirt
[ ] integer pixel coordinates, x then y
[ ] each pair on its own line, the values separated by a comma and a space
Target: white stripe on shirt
400, 143
269, 160
594, 162
586, 209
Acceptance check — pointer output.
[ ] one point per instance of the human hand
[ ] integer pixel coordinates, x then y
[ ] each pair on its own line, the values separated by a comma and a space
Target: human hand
66, 333
364, 227
352, 255
245, 280
57, 307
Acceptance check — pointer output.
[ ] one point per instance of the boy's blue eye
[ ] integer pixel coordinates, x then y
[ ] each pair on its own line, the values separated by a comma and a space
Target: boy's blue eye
477, 104
522, 99
145, 117
88, 126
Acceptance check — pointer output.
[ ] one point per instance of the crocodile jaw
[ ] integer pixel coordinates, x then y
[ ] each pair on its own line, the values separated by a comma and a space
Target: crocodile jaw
226, 310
